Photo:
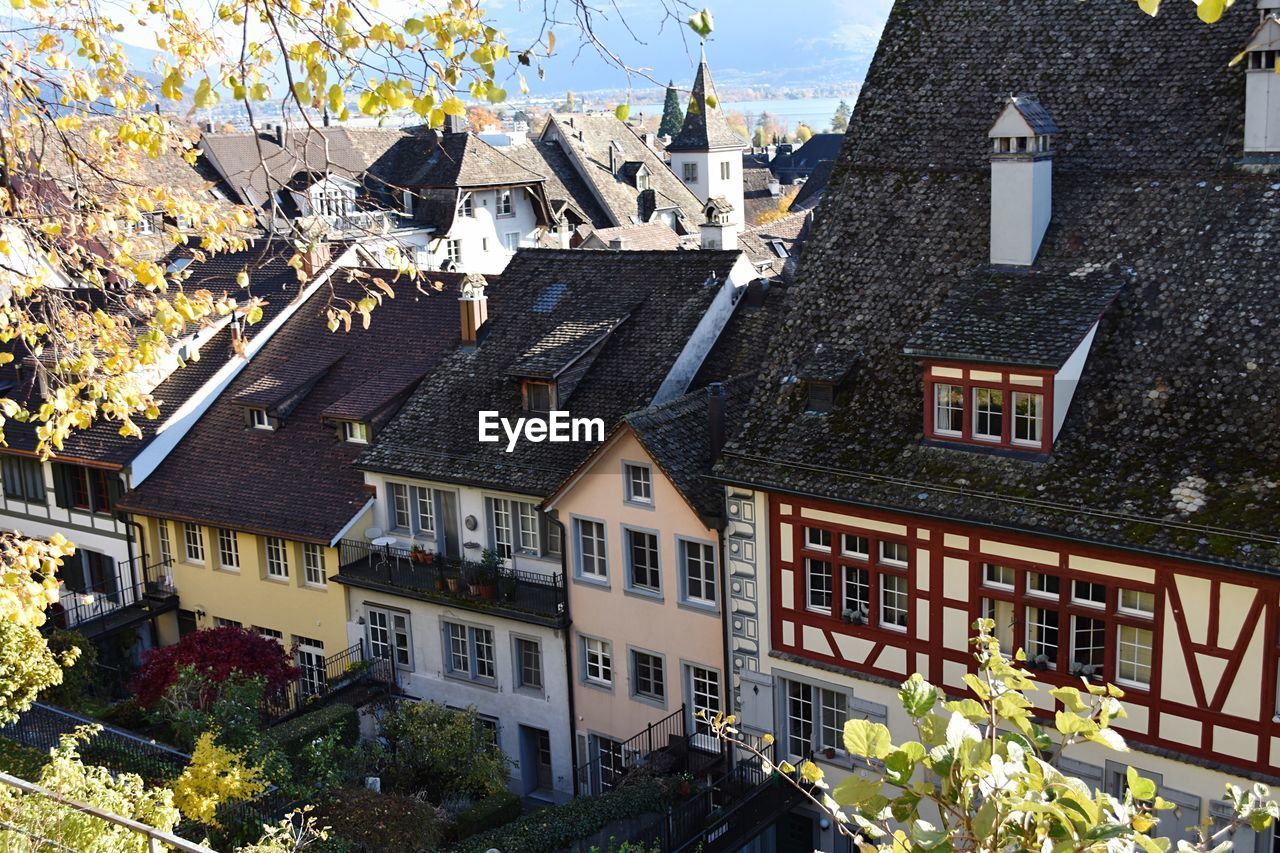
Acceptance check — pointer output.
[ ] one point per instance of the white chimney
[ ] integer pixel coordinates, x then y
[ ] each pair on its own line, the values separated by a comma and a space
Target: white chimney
720, 228
775, 187
1262, 84
1021, 181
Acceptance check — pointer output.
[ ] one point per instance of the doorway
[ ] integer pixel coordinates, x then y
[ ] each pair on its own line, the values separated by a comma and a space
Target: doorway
535, 761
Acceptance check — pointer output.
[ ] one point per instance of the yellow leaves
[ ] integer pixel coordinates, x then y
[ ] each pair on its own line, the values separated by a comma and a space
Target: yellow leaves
1210, 11
622, 111
701, 23
453, 107
205, 95
216, 775
171, 86
1151, 7
254, 314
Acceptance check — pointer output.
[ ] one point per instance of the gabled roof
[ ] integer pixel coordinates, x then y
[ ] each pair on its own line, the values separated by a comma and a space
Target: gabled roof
805, 159
647, 235
1023, 319
1033, 115
284, 382
663, 295
1266, 36
814, 186
756, 194
705, 127
774, 247
431, 159
563, 346
565, 188
1180, 379
298, 481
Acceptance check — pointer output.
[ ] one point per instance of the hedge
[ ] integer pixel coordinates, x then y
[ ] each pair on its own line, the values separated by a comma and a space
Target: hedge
21, 761
292, 735
493, 811
556, 827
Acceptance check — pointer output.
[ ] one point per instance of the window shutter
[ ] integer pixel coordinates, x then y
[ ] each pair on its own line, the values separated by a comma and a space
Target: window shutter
60, 490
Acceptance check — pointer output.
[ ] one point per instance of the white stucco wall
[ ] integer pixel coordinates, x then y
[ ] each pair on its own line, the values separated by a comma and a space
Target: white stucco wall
483, 234
1021, 207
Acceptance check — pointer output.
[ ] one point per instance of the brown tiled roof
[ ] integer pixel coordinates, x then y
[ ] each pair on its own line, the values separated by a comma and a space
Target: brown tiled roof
298, 481
454, 160
563, 184
647, 236
789, 233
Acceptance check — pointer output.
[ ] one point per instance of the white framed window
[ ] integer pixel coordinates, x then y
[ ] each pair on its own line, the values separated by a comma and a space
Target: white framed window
815, 718
817, 539
424, 501
894, 601
528, 657
948, 409
277, 558
219, 622
193, 540
857, 591
1088, 646
506, 206
1087, 593
500, 525
355, 432
1028, 418
539, 396
698, 570
1041, 584
1042, 636
399, 506
526, 527
725, 170
598, 657
389, 637
1001, 612
895, 553
467, 206
269, 633
690, 172
471, 652
228, 550
648, 678
799, 717
453, 250
641, 552
166, 546
638, 482
1137, 602
996, 575
514, 526
511, 240
309, 655
818, 584
857, 547
1133, 655
704, 696
259, 419
988, 414
591, 548
313, 564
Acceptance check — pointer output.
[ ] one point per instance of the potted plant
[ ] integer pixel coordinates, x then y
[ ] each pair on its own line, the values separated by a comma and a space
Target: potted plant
454, 579
474, 572
417, 554
490, 568
829, 752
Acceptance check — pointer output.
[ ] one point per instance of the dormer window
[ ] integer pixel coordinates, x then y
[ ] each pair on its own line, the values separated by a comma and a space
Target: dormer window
642, 180
989, 407
259, 419
355, 432
539, 396
821, 397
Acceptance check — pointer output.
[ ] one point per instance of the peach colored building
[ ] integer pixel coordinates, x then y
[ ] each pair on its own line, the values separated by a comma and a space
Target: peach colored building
642, 525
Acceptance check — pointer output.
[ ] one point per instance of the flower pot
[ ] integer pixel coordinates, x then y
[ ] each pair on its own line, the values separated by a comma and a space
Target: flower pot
455, 584
439, 584
489, 591
829, 753
474, 589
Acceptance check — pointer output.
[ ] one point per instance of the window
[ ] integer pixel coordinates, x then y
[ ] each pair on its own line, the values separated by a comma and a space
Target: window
500, 525
725, 171
704, 696
269, 633
389, 637
818, 575
313, 564
893, 552
193, 540
332, 201
996, 575
309, 655
219, 622
277, 558
647, 677
598, 655
258, 419
528, 663
511, 240
642, 180
228, 550
1133, 658
815, 718
613, 761
505, 206
1134, 601
425, 504
1001, 612
642, 560
857, 594
413, 511
355, 432
821, 397
166, 546
467, 206
591, 548
988, 414
514, 527
24, 479
539, 396
817, 538
894, 598
1028, 418
639, 483
948, 409
453, 250
698, 567
690, 172
1042, 636
89, 489
470, 652
399, 506
858, 547
1039, 583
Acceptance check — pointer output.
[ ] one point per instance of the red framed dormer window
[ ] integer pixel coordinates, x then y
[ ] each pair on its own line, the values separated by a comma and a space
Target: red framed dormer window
1007, 408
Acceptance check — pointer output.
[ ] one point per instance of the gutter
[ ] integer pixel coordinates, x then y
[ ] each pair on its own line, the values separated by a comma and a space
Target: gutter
568, 650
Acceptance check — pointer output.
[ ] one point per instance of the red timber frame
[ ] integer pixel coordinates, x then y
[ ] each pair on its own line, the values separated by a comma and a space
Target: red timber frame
924, 645
1005, 385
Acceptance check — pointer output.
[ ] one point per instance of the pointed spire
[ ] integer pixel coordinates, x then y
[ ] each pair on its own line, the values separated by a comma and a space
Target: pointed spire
705, 126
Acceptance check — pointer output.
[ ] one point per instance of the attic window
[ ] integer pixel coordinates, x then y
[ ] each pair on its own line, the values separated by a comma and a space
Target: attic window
779, 248
988, 407
355, 432
259, 419
539, 396
178, 265
821, 397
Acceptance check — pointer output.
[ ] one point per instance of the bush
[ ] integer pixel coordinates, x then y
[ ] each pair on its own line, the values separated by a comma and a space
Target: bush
216, 654
77, 678
440, 753
554, 828
493, 811
374, 823
293, 735
21, 761
126, 714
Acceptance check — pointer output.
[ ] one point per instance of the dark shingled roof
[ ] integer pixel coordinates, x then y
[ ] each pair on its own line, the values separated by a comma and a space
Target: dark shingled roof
646, 235
814, 186
299, 481
1181, 381
563, 184
801, 162
1035, 115
677, 435
789, 233
432, 159
562, 347
755, 191
705, 126
270, 278
666, 295
1024, 319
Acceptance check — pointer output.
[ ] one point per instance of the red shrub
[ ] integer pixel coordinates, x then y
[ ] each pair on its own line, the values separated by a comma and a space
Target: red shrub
218, 653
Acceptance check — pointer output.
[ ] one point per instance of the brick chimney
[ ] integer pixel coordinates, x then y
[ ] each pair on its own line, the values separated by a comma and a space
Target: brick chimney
473, 309
315, 256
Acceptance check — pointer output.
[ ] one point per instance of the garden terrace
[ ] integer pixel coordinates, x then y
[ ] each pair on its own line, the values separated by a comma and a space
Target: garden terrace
132, 596
339, 675
525, 596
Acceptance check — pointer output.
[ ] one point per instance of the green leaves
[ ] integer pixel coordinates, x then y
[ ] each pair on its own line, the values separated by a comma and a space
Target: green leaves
866, 739
622, 111
918, 697
855, 790
701, 23
1142, 788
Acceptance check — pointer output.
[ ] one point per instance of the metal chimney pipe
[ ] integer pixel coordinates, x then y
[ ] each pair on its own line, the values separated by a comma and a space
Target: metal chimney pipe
715, 419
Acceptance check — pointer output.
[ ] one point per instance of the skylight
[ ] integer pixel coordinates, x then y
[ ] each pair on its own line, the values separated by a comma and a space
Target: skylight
178, 265
549, 298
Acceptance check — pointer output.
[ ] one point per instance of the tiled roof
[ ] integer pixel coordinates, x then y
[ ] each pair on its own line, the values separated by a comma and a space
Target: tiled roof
705, 126
270, 278
744, 343
755, 191
299, 481
562, 347
647, 236
1034, 114
814, 186
761, 243
677, 435
431, 159
666, 295
563, 184
586, 140
1027, 319
803, 160
1181, 379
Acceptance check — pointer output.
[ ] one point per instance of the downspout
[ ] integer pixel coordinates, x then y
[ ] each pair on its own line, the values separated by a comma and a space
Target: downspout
726, 624
568, 650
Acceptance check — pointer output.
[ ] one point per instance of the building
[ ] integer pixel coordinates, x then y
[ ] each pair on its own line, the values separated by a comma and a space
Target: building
1027, 376
250, 507
594, 334
794, 164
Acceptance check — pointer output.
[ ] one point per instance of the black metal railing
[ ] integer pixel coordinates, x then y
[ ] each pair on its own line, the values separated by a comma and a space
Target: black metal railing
317, 683
665, 746
95, 611
453, 580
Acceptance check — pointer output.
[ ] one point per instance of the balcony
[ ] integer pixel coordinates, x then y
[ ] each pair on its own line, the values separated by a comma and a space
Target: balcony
133, 596
531, 597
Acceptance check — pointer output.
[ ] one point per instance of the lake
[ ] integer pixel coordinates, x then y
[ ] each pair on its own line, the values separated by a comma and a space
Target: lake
815, 112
